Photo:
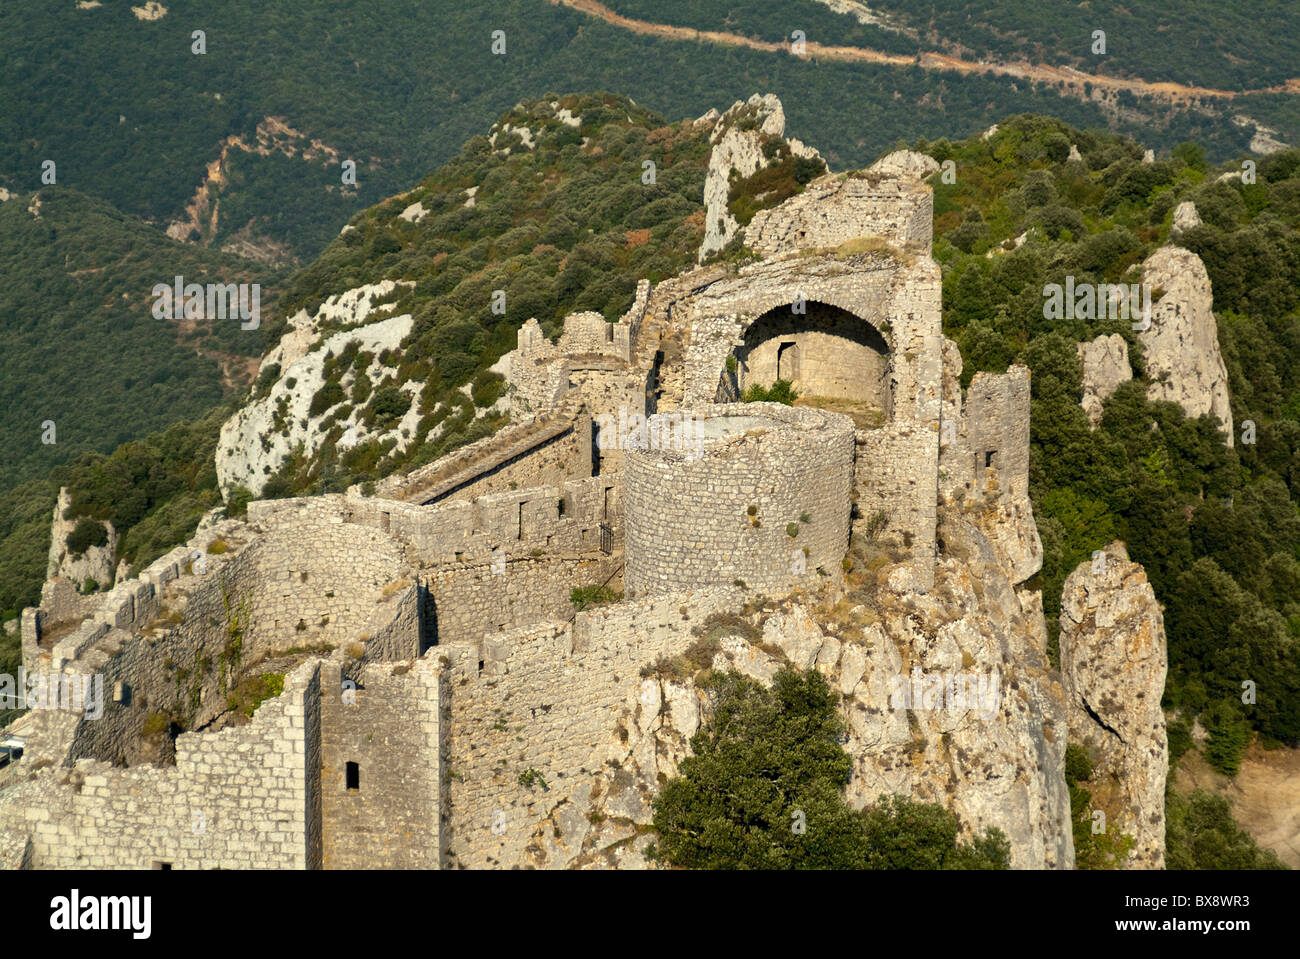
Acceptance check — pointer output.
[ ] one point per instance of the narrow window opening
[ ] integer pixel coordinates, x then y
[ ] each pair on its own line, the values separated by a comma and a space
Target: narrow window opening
159, 864
353, 776
787, 361
990, 459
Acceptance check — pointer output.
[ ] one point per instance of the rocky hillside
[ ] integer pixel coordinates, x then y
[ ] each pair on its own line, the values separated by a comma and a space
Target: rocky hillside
389, 354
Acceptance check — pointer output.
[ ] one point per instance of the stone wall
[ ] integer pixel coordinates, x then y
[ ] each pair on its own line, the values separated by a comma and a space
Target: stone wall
997, 412
236, 799
895, 473
390, 817
499, 561
722, 514
472, 600
824, 351
589, 332
548, 699
835, 209
550, 453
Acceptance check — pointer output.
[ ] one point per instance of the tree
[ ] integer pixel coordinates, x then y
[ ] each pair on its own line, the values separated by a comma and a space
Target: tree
763, 790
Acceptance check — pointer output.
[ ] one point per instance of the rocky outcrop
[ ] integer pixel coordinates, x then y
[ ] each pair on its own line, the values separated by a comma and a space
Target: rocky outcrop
1105, 366
1113, 663
1185, 218
989, 745
257, 440
737, 140
905, 163
1181, 344
97, 562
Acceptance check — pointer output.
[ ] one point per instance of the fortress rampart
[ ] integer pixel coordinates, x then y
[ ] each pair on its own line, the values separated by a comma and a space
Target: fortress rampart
455, 707
724, 512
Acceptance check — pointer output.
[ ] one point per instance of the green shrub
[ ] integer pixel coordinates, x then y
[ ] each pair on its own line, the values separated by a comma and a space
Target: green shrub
763, 789
782, 391
1200, 833
85, 534
586, 596
388, 405
331, 394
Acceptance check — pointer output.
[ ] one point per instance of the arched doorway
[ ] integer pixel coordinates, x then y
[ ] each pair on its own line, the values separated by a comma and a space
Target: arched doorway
826, 352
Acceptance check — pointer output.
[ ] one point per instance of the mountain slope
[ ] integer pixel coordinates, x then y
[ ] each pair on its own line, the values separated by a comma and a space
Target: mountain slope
79, 345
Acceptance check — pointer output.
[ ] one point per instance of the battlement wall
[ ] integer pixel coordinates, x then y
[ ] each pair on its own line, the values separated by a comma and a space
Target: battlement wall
725, 512
236, 799
549, 698
896, 477
833, 210
387, 723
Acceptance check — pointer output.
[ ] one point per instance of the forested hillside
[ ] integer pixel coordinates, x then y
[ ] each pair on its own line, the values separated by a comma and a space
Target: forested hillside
79, 344
1216, 528
132, 115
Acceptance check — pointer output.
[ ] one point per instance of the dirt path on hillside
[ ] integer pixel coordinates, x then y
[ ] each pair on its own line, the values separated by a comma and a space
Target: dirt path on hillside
1264, 795
1072, 81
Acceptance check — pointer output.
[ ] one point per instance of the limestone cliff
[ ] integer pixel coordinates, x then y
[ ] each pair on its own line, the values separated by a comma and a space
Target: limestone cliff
995, 759
96, 562
1105, 366
1113, 663
1181, 344
737, 138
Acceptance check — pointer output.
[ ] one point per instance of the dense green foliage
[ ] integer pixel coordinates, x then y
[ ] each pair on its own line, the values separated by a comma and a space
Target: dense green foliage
568, 224
1200, 834
1200, 42
782, 391
153, 490
132, 115
79, 344
1217, 529
1197, 42
763, 790
1092, 850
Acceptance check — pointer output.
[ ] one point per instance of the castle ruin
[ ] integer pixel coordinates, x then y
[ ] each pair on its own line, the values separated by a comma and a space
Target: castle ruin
443, 705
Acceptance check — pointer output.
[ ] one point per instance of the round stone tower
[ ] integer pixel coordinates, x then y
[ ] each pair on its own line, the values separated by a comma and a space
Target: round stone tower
755, 492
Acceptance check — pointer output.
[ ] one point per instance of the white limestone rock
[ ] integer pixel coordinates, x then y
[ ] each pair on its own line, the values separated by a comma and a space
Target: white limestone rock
1113, 664
1185, 217
1105, 366
739, 151
95, 563
905, 163
414, 213
1183, 358
797, 636
253, 445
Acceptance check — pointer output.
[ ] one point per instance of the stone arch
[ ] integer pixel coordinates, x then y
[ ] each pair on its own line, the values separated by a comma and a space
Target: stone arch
827, 351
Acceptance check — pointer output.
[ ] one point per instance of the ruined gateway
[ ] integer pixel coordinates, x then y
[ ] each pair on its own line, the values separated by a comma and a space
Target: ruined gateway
443, 705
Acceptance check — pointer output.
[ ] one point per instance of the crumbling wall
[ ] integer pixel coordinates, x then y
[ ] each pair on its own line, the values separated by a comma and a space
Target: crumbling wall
896, 490
548, 701
899, 210
236, 799
725, 512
